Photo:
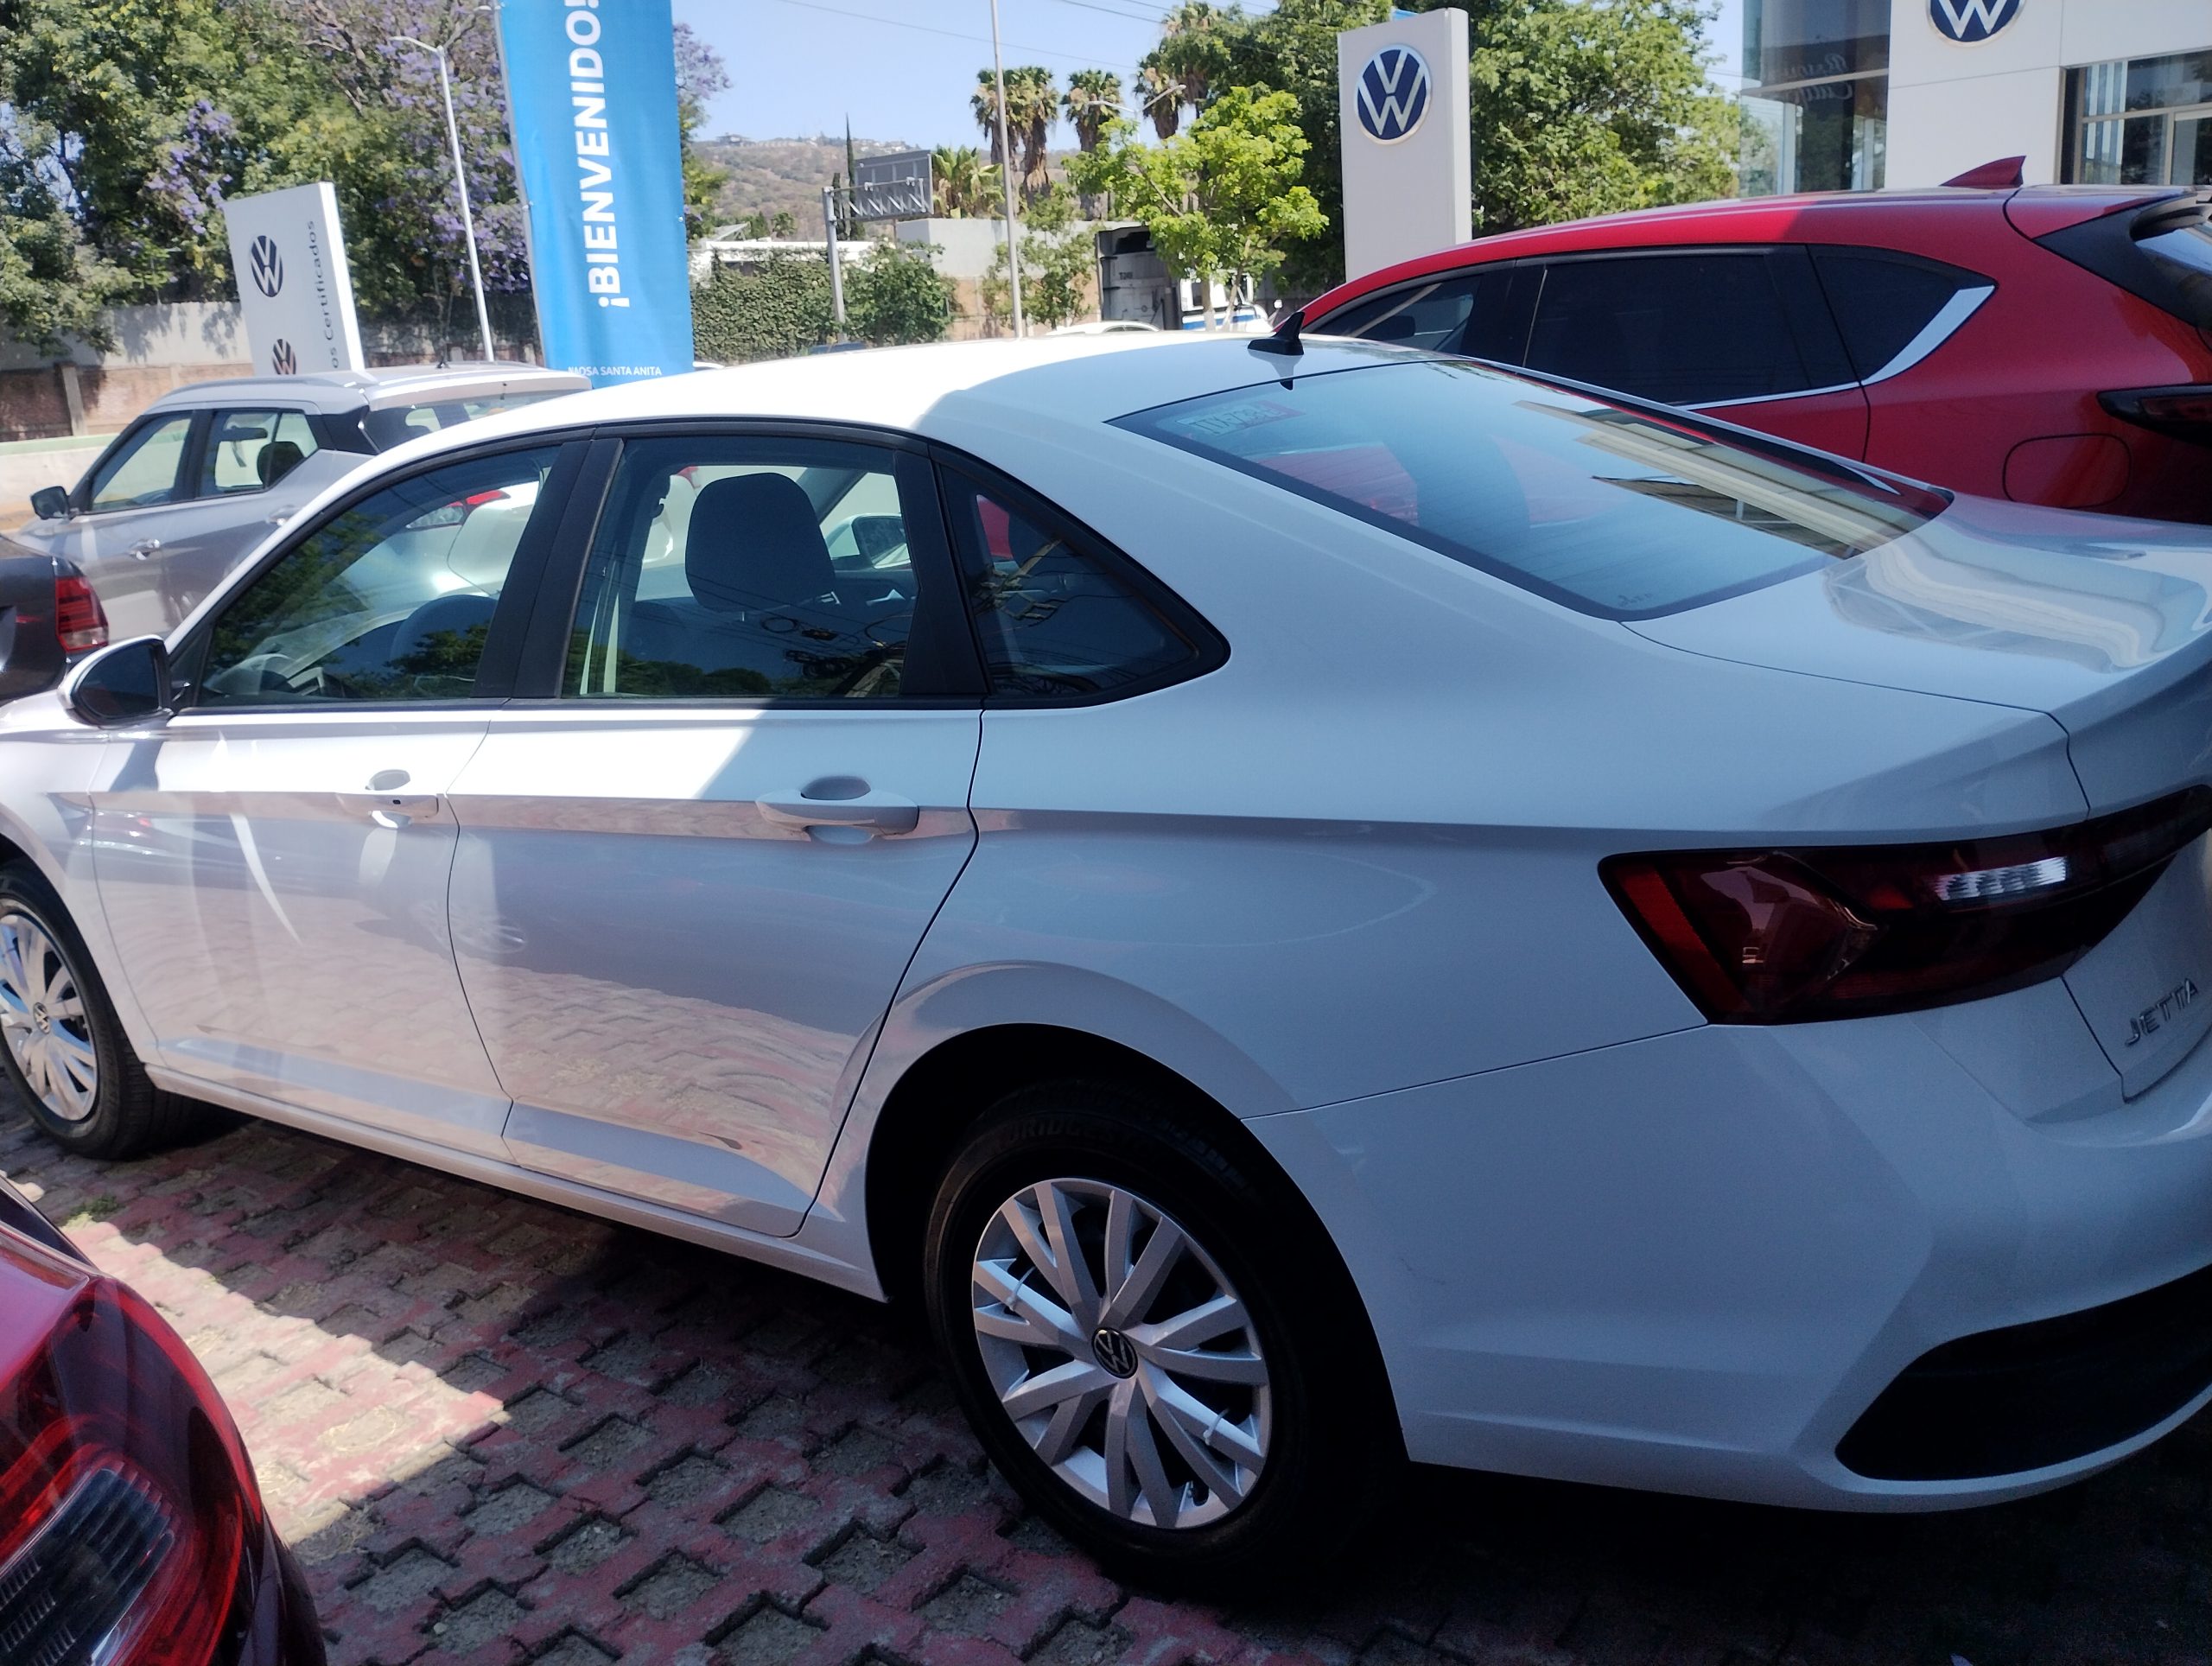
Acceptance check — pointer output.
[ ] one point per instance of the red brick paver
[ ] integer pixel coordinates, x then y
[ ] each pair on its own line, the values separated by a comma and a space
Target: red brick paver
497, 1432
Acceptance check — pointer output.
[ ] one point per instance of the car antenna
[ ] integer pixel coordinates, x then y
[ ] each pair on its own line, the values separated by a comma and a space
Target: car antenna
1284, 340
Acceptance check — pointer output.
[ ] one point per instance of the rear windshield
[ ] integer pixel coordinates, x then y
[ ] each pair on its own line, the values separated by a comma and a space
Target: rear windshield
396, 425
1606, 510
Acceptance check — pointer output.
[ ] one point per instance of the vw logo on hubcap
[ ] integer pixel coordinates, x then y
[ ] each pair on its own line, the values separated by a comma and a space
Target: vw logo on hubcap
1115, 1352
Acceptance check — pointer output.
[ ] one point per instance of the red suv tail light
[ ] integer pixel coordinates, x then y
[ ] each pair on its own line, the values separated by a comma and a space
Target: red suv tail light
1776, 937
2186, 411
125, 1495
79, 619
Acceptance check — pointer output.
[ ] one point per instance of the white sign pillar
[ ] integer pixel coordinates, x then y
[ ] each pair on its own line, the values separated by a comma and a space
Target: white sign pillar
293, 285
1402, 104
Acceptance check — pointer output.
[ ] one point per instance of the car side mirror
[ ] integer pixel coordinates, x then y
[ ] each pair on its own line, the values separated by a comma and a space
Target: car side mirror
50, 503
126, 684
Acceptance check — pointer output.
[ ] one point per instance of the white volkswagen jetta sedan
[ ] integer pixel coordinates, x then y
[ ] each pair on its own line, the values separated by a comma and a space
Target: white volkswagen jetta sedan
1314, 906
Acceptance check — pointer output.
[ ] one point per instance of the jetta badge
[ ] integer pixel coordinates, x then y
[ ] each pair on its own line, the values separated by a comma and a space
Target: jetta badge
2163, 1013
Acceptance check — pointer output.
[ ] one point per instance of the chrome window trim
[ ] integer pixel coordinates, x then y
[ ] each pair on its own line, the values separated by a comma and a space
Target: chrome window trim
1962, 305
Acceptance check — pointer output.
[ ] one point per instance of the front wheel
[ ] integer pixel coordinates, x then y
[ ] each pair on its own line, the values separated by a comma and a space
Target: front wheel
61, 1041
1164, 1357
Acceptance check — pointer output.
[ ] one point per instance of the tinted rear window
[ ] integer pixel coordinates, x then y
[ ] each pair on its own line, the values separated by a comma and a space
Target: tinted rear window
395, 425
1882, 301
1604, 509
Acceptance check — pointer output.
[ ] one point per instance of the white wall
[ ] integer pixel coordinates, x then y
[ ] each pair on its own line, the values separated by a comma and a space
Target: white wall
1953, 107
178, 333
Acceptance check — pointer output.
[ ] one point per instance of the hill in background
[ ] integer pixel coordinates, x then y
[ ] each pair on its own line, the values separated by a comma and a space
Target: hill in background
769, 175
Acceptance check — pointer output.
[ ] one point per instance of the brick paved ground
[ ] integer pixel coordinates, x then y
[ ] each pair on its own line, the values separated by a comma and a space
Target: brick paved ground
497, 1432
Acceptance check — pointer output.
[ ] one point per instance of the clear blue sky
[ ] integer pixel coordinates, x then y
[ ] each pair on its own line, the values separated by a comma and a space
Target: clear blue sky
904, 69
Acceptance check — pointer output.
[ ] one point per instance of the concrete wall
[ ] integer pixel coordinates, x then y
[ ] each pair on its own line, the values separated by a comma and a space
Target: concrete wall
1955, 106
77, 389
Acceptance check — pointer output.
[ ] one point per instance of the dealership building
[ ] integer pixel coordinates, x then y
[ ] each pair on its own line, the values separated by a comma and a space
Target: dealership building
1860, 94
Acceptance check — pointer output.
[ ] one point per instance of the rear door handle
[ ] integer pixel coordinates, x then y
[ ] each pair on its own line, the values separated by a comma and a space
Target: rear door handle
392, 808
879, 812
142, 549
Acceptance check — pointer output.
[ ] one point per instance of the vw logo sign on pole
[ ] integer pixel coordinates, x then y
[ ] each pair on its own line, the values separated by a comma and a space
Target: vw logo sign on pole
1401, 112
282, 360
1968, 22
268, 266
1393, 94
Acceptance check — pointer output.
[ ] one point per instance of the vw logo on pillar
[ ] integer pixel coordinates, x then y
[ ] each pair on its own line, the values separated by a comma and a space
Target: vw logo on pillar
1970, 21
1394, 93
268, 266
282, 360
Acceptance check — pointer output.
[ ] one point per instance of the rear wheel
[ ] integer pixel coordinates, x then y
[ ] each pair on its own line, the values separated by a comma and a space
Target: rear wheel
61, 1042
1165, 1359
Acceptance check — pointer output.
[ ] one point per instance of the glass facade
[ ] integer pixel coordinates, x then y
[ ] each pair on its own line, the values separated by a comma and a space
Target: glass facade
2147, 121
1815, 102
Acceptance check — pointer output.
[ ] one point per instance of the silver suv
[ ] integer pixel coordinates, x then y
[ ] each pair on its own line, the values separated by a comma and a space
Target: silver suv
208, 470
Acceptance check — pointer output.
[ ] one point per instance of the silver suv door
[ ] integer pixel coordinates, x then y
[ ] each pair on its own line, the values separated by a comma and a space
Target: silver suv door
120, 509
273, 860
691, 876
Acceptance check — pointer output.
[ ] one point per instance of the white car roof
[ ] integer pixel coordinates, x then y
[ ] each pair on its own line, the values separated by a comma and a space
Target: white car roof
1076, 380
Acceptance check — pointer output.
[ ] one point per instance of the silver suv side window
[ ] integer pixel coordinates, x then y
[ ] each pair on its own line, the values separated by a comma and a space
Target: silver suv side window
392, 599
143, 469
251, 450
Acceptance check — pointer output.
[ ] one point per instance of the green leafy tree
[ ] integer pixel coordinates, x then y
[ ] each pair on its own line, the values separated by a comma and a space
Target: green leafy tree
1059, 259
894, 296
770, 311
1221, 199
964, 185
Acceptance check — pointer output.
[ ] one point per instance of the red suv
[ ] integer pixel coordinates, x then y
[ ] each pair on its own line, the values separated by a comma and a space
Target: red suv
2051, 344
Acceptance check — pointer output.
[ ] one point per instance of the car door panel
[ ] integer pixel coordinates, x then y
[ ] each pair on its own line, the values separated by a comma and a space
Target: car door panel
676, 986
284, 924
274, 861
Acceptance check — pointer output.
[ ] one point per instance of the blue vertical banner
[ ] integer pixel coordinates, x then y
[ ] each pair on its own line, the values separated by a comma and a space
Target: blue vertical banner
591, 92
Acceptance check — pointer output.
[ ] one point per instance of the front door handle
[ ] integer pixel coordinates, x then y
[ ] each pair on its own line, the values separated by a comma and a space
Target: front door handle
878, 812
142, 549
392, 808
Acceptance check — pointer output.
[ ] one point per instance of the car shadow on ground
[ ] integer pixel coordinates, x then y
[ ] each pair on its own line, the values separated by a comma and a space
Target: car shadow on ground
497, 1430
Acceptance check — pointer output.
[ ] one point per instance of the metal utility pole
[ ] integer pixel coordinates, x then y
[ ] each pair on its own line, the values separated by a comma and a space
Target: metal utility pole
836, 267
1006, 176
460, 184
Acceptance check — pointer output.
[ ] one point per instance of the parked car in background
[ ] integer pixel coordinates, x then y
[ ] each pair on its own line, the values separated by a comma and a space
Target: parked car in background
132, 1532
209, 471
1314, 905
2051, 344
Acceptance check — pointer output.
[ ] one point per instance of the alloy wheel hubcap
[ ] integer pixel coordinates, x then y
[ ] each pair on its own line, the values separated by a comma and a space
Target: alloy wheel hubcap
42, 1020
1122, 1353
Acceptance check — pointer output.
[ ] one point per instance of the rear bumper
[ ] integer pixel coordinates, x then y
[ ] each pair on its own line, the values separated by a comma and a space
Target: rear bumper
1694, 1263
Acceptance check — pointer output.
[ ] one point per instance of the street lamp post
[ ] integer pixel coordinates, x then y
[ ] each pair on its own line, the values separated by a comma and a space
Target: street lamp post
460, 184
1006, 174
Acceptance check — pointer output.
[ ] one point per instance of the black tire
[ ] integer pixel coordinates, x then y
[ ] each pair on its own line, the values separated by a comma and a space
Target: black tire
128, 1114
1332, 1453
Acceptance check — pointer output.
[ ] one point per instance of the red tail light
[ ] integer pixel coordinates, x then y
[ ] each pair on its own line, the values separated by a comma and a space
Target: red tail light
2186, 411
78, 618
1776, 937
124, 1495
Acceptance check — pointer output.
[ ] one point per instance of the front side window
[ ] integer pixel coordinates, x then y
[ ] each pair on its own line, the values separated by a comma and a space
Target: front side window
728, 568
390, 599
1688, 328
1056, 620
251, 450
1482, 314
143, 470
1605, 510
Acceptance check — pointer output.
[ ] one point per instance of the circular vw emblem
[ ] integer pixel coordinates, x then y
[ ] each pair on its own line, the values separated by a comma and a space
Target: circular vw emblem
1394, 93
268, 266
1969, 21
282, 360
1115, 1352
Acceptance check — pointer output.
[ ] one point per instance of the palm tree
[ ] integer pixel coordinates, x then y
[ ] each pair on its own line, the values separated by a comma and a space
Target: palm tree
1033, 101
964, 183
1093, 99
1163, 96
985, 104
